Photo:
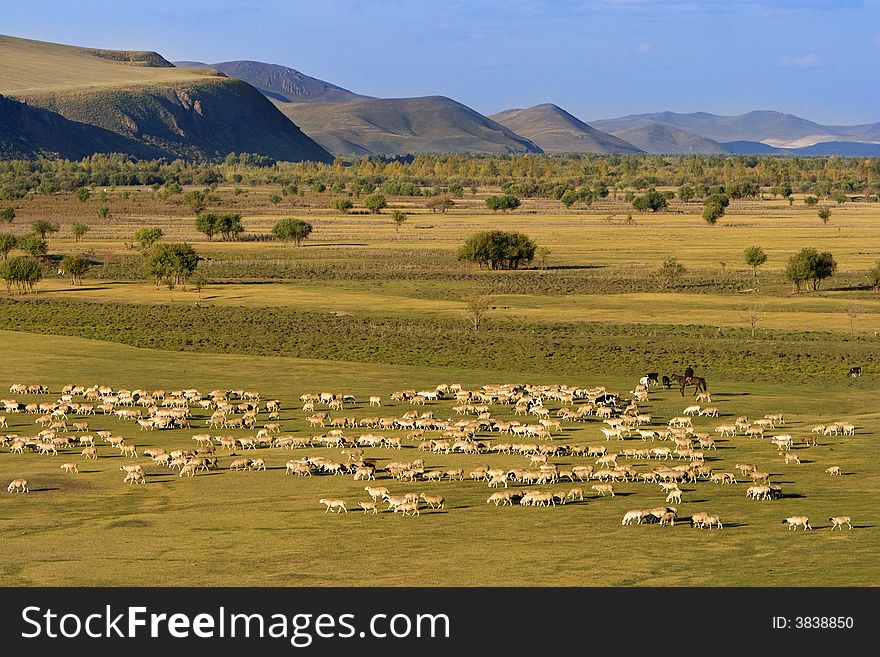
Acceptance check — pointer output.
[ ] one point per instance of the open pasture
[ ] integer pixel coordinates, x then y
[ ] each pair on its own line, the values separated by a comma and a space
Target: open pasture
267, 527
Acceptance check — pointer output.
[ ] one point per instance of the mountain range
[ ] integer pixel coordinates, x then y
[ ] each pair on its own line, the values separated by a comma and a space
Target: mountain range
71, 101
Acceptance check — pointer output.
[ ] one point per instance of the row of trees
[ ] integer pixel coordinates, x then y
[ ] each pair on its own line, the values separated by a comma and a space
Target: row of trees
535, 175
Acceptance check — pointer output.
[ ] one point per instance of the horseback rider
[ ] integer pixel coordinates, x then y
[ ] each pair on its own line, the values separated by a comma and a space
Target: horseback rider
688, 374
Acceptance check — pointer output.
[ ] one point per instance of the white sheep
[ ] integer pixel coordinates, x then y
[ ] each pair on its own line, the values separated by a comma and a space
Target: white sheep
335, 505
70, 468
840, 521
797, 521
18, 485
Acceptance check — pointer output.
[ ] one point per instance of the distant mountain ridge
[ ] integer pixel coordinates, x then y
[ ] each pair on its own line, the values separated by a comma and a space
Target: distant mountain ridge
280, 82
773, 128
556, 131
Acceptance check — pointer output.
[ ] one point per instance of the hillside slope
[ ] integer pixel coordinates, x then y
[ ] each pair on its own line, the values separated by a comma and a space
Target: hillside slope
654, 137
27, 132
433, 124
280, 82
168, 111
556, 131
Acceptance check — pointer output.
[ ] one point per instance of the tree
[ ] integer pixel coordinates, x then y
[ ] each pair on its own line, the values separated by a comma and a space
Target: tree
569, 198
811, 201
199, 281
399, 218
504, 203
7, 215
170, 263
498, 249
753, 315
83, 194
652, 200
669, 272
440, 204
375, 202
229, 226
206, 223
343, 205
23, 273
33, 245
274, 199
42, 228
476, 306
853, 311
712, 212
873, 275
147, 236
543, 255
103, 212
755, 257
7, 243
686, 193
196, 200
824, 214
78, 230
75, 266
808, 265
288, 229
840, 198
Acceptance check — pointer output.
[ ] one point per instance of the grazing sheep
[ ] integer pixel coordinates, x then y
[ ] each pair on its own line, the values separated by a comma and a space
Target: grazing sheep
603, 488
18, 485
840, 521
434, 501
791, 458
575, 493
674, 496
710, 520
70, 468
369, 506
630, 516
668, 518
134, 474
240, 464
797, 521
408, 508
90, 453
258, 464
834, 470
376, 492
335, 505
501, 498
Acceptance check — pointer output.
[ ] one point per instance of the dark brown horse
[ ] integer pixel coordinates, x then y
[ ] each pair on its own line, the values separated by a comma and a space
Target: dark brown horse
698, 382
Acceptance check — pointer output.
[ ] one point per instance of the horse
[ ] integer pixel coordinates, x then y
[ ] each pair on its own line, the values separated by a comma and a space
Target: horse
698, 382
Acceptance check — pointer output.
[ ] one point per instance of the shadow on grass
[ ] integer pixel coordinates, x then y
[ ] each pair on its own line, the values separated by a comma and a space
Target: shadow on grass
42, 490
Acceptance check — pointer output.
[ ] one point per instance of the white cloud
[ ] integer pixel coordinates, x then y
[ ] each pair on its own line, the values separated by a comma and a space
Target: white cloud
807, 61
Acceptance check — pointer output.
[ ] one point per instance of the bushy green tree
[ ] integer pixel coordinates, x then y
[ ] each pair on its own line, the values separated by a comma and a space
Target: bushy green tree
42, 227
810, 266
824, 214
375, 202
75, 266
399, 218
33, 245
498, 249
651, 200
147, 236
21, 273
7, 215
811, 201
206, 223
755, 257
504, 203
83, 194
291, 229
7, 243
170, 263
669, 272
78, 230
440, 204
342, 205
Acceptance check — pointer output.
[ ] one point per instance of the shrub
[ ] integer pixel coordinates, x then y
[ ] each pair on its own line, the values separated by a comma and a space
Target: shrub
498, 249
290, 229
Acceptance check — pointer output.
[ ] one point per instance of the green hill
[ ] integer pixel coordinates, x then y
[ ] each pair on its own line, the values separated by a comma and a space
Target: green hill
160, 109
432, 124
557, 131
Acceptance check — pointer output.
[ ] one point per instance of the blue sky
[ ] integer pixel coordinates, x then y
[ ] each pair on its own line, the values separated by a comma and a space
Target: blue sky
596, 58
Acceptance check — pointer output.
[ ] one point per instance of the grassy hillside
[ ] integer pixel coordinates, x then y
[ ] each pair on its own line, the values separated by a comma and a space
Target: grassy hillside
433, 124
557, 131
171, 112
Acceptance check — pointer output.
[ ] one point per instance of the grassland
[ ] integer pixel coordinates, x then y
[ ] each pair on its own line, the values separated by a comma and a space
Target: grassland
365, 309
267, 528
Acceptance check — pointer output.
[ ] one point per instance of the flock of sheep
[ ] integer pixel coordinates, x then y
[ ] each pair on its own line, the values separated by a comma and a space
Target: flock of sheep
672, 453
